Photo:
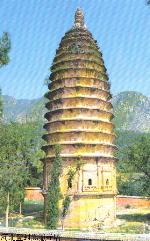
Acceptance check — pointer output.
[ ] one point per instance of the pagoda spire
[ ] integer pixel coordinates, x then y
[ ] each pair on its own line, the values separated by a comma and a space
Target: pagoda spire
79, 19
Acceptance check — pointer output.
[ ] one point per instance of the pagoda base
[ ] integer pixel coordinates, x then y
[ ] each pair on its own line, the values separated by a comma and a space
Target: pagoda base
90, 212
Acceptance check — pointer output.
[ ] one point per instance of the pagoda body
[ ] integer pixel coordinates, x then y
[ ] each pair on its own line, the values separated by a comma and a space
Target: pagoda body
79, 120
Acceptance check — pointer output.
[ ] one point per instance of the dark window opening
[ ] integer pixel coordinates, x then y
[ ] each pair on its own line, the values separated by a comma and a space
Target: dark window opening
69, 183
107, 182
90, 182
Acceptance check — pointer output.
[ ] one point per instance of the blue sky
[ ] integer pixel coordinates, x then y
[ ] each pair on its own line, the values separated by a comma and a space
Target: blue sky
121, 27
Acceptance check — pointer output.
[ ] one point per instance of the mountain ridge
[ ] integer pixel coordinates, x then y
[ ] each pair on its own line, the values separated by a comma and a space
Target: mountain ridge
131, 110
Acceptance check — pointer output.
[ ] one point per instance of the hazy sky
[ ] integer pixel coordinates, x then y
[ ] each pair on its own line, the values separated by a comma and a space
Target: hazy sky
121, 27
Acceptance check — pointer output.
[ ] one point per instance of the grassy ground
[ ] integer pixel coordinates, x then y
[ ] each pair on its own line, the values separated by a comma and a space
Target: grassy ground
32, 216
30, 207
129, 220
132, 220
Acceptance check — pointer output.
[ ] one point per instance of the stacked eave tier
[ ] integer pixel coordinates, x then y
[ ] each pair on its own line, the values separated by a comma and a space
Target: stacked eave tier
80, 111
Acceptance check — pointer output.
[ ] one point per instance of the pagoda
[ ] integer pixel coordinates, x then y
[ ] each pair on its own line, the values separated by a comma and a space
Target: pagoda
79, 119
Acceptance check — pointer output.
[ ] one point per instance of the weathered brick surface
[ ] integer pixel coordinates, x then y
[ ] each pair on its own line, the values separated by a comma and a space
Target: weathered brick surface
133, 201
35, 194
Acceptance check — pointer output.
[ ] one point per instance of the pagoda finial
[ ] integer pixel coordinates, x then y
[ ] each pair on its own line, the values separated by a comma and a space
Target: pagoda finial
79, 19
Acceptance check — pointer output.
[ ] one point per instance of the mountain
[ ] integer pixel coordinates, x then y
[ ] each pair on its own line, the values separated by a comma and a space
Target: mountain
131, 110
23, 110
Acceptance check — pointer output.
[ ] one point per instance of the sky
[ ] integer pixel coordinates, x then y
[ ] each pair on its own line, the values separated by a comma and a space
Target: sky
121, 27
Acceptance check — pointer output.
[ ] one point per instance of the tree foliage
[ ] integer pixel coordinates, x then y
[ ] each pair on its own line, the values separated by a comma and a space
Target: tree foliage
54, 192
138, 155
134, 165
65, 209
65, 205
71, 173
5, 47
19, 161
12, 166
1, 106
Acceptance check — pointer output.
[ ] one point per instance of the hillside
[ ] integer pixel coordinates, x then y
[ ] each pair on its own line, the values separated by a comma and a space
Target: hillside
23, 110
131, 110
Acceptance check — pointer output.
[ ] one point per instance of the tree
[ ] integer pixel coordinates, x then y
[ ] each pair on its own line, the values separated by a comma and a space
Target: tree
65, 209
19, 150
135, 164
30, 147
5, 47
1, 106
11, 168
54, 192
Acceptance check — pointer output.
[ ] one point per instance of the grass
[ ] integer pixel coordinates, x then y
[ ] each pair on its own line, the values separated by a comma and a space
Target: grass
132, 228
136, 220
138, 217
131, 220
30, 207
32, 216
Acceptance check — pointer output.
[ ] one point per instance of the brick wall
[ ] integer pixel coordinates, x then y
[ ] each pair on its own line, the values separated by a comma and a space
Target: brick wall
35, 194
134, 201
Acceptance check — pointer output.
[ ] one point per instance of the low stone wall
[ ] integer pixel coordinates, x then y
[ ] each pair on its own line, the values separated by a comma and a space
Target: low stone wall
22, 234
133, 201
35, 194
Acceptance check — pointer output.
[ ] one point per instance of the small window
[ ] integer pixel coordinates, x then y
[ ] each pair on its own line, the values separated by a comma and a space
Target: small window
107, 182
90, 182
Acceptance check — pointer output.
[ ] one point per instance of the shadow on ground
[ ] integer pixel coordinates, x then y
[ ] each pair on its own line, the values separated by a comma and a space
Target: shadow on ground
138, 217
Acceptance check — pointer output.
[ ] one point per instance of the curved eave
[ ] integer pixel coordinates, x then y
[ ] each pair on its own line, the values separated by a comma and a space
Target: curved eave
60, 55
78, 38
92, 60
83, 43
60, 100
74, 77
77, 78
46, 116
51, 93
61, 63
79, 120
77, 131
85, 46
50, 98
75, 68
79, 144
78, 30
51, 158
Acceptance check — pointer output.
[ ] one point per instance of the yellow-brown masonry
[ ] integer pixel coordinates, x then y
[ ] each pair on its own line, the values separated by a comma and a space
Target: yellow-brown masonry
79, 120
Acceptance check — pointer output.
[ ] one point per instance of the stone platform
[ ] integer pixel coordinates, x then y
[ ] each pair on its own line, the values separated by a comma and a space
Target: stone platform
43, 234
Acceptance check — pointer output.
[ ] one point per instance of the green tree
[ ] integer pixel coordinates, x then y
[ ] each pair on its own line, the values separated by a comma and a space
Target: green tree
30, 147
54, 192
65, 209
134, 165
12, 167
1, 106
19, 163
5, 47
